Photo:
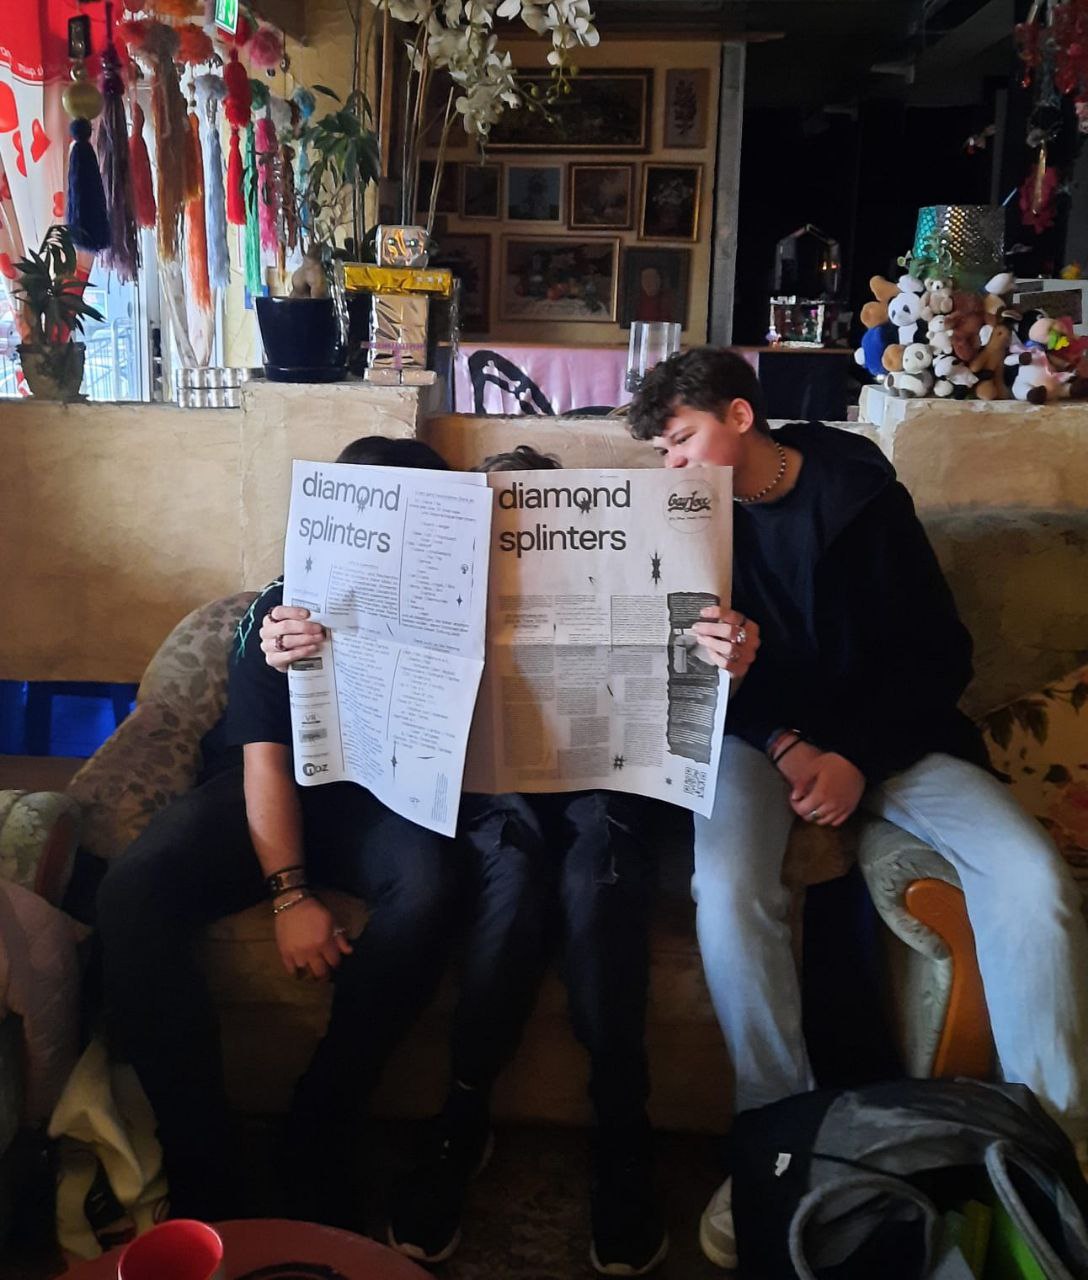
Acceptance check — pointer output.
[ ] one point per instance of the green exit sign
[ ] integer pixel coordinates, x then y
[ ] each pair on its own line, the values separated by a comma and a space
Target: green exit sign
226, 15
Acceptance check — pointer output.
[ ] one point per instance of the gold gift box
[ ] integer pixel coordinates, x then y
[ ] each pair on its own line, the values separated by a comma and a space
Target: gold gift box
366, 278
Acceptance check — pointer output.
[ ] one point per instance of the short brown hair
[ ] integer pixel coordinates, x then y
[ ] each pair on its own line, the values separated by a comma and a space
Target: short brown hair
522, 458
705, 378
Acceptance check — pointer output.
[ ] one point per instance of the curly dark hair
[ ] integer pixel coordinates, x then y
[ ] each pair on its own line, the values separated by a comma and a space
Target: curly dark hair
705, 378
522, 458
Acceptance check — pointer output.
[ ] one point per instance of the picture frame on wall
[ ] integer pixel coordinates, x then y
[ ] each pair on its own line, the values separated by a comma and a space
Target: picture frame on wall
481, 191
566, 279
534, 192
654, 285
604, 111
601, 197
468, 256
670, 201
447, 201
687, 108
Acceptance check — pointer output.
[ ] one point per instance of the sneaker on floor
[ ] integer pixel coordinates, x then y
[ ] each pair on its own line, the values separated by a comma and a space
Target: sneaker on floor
427, 1204
629, 1236
717, 1238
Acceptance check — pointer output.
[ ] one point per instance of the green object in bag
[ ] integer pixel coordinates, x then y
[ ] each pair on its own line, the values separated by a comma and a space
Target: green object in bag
1009, 1257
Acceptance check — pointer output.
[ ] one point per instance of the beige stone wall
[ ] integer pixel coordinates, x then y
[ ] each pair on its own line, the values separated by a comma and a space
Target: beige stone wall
116, 520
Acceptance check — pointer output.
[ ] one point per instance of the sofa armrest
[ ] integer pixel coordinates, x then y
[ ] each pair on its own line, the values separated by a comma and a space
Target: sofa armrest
153, 756
39, 831
935, 988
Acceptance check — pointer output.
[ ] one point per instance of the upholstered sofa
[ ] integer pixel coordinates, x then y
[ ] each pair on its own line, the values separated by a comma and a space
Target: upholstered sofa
1018, 577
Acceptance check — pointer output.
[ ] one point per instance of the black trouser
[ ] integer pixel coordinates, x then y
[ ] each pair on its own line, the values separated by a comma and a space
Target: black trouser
587, 852
194, 864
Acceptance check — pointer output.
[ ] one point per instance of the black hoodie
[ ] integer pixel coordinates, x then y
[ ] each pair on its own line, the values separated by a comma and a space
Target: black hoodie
862, 649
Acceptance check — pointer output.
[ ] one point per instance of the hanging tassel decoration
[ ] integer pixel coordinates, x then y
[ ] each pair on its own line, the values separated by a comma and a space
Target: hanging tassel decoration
237, 111
122, 254
254, 282
306, 104
210, 90
269, 186
143, 185
284, 117
196, 238
194, 45
265, 49
85, 211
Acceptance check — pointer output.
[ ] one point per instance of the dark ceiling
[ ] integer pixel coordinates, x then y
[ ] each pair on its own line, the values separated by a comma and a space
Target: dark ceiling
832, 52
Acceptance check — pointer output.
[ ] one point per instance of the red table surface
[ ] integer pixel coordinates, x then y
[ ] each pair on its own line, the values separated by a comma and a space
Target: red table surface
282, 1250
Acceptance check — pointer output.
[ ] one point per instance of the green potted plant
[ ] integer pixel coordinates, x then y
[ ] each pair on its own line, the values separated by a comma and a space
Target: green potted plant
52, 309
305, 332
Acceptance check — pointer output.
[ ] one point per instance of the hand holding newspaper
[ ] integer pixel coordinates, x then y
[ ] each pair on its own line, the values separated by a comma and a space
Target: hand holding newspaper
590, 582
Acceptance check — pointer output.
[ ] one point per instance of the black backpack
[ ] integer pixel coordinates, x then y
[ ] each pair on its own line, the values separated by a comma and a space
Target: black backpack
851, 1184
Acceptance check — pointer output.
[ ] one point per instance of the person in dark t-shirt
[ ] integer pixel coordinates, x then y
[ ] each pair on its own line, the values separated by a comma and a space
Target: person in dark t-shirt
852, 702
248, 833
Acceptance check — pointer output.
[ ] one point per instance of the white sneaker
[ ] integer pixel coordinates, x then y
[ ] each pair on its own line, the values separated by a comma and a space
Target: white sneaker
717, 1239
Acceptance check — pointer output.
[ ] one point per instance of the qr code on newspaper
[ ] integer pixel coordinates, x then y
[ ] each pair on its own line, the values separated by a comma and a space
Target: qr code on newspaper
694, 782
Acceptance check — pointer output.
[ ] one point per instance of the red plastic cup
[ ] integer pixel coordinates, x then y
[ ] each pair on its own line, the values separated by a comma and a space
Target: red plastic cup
178, 1250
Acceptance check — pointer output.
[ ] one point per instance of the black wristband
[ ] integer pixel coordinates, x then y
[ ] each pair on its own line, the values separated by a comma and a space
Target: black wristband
786, 750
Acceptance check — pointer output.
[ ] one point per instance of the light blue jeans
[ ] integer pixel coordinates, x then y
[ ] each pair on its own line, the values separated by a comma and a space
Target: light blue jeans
1024, 907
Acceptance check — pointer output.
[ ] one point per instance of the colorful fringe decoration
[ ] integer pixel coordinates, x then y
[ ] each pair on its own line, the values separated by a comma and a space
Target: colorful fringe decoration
265, 49
180, 9
122, 254
306, 104
254, 283
269, 186
237, 112
143, 186
194, 45
196, 237
210, 90
85, 210
284, 117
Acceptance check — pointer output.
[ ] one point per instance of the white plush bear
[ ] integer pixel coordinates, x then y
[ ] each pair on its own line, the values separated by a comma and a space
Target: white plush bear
953, 378
916, 378
904, 311
939, 335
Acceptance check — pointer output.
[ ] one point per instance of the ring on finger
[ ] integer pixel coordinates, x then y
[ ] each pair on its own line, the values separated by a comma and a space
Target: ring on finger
741, 635
278, 644
813, 815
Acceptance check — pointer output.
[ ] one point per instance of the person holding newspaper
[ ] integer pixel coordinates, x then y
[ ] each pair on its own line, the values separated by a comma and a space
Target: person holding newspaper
584, 852
853, 702
248, 832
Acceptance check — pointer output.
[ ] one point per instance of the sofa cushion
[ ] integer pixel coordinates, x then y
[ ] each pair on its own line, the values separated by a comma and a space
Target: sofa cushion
1040, 741
38, 835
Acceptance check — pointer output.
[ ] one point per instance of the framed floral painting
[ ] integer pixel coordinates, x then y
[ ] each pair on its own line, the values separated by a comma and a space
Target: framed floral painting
553, 279
601, 197
687, 108
670, 201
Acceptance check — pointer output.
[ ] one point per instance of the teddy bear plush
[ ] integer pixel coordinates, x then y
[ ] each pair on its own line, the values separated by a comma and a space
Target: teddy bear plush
937, 296
939, 335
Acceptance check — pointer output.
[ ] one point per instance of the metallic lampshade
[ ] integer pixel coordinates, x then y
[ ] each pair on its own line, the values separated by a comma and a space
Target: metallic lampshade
974, 235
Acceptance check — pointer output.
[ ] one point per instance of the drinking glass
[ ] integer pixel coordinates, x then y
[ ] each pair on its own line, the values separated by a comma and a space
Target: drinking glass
651, 342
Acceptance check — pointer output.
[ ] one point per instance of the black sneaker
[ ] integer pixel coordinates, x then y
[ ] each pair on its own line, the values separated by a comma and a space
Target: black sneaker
629, 1236
426, 1206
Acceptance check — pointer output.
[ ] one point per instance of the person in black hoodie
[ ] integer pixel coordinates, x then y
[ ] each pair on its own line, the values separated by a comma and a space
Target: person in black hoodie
852, 701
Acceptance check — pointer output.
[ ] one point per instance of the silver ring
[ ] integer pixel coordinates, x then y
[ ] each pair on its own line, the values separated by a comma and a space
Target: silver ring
338, 930
278, 644
814, 814
741, 637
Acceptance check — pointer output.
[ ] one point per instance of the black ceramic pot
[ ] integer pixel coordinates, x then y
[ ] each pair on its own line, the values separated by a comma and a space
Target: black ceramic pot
302, 339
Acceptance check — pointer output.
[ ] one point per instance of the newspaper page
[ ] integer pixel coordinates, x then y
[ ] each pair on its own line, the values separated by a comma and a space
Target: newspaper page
594, 678
393, 561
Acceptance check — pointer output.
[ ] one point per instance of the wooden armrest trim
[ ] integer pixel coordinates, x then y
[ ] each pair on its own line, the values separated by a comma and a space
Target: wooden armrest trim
966, 1046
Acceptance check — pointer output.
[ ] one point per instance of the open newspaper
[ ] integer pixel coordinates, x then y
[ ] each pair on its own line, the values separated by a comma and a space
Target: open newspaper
594, 678
394, 562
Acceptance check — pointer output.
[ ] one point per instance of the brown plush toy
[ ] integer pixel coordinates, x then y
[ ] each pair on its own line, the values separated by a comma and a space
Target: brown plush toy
892, 360
989, 363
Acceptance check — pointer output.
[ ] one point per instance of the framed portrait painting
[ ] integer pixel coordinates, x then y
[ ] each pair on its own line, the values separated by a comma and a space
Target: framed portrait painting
533, 192
604, 111
468, 256
553, 279
654, 285
687, 108
601, 197
481, 191
670, 201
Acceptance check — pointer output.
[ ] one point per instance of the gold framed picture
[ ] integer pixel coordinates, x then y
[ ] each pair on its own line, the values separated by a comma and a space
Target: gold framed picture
544, 278
670, 201
601, 197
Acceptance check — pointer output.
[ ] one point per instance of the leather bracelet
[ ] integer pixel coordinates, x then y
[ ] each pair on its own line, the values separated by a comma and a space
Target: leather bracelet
786, 750
774, 738
302, 895
292, 877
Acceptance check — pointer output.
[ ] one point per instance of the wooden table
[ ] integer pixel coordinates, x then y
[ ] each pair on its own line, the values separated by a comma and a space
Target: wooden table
283, 1250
